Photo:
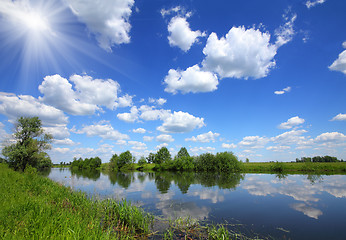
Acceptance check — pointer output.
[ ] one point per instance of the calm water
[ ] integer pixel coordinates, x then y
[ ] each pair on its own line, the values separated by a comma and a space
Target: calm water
282, 207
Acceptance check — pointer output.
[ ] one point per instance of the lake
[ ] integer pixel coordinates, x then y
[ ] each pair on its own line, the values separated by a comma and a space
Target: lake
264, 205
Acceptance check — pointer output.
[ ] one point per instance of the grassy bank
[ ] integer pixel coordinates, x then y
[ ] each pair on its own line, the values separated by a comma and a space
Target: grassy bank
34, 207
294, 167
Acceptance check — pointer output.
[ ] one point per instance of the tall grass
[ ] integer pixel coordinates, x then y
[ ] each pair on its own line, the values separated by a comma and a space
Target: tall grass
34, 207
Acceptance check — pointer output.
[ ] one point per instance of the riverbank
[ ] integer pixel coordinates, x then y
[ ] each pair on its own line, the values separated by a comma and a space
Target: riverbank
294, 167
35, 207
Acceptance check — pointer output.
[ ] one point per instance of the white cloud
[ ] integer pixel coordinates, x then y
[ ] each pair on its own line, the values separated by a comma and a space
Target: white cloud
290, 137
139, 130
330, 137
294, 121
313, 3
105, 131
278, 148
89, 94
65, 141
228, 146
242, 53
284, 33
149, 113
285, 90
180, 122
165, 138
138, 145
109, 20
181, 35
339, 117
193, 79
177, 9
159, 101
59, 131
340, 63
205, 137
61, 150
148, 138
121, 142
162, 145
307, 210
202, 149
129, 117
24, 105
253, 142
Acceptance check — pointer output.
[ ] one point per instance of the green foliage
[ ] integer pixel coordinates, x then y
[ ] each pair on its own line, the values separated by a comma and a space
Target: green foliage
35, 207
151, 158
183, 153
31, 141
318, 159
142, 161
88, 163
221, 162
277, 167
162, 156
125, 158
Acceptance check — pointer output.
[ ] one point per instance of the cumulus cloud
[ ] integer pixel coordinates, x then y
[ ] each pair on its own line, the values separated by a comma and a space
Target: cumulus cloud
290, 137
253, 142
108, 21
330, 137
180, 122
129, 117
278, 148
313, 3
181, 35
139, 130
242, 53
88, 96
137, 145
61, 150
228, 145
149, 113
340, 63
294, 121
59, 131
105, 131
193, 79
202, 149
283, 91
339, 117
65, 141
24, 105
148, 138
159, 101
165, 138
205, 137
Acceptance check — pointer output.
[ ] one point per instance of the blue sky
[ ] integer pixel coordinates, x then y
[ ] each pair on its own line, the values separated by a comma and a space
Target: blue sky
263, 79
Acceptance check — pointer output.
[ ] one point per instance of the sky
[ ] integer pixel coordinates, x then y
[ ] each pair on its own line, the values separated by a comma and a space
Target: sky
263, 79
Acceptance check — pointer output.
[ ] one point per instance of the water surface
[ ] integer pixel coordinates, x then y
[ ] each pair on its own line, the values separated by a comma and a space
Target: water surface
268, 205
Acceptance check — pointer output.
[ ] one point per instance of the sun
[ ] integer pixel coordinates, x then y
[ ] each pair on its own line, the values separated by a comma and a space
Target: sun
34, 21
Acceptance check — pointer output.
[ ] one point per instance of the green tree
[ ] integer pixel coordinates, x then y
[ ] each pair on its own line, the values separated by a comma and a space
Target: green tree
142, 161
125, 158
151, 158
29, 146
162, 156
113, 162
183, 153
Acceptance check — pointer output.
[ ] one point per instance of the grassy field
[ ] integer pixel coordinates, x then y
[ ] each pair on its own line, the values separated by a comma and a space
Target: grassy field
34, 207
293, 167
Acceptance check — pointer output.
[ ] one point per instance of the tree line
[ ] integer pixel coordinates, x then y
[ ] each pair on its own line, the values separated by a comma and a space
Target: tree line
87, 163
319, 159
207, 162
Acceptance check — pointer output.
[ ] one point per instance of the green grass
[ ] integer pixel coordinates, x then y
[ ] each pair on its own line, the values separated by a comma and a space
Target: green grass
34, 207
293, 167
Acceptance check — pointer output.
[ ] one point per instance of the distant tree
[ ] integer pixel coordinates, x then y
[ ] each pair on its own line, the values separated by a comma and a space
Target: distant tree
162, 156
142, 161
151, 158
183, 153
125, 158
247, 160
113, 162
29, 146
